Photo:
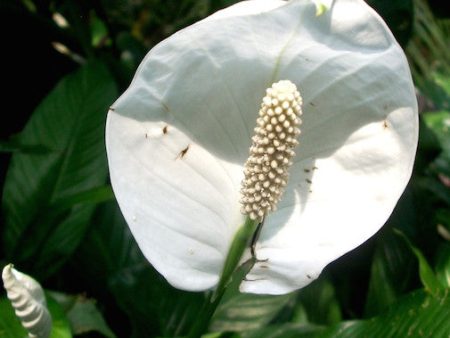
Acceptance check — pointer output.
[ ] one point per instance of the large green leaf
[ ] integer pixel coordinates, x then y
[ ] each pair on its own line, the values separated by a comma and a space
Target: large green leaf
14, 145
10, 326
69, 122
107, 248
419, 314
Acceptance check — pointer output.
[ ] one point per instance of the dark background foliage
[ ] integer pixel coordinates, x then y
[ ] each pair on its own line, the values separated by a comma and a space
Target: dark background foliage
61, 224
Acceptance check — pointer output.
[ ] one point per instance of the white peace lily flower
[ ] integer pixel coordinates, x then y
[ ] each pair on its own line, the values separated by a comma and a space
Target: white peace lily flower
179, 137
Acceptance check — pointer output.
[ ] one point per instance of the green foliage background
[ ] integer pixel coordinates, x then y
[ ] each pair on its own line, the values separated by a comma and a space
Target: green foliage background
61, 224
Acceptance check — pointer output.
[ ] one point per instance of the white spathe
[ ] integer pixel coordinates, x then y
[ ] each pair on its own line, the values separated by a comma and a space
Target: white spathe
178, 138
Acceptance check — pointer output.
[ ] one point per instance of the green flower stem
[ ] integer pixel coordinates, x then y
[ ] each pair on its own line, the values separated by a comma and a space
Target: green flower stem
241, 241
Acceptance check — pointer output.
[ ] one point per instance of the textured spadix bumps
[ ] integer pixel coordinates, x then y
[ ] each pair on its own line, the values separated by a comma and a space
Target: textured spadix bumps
28, 300
272, 151
179, 137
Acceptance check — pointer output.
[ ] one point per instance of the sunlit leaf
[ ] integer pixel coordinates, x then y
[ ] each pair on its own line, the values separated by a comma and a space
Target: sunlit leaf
419, 314
10, 326
247, 311
60, 323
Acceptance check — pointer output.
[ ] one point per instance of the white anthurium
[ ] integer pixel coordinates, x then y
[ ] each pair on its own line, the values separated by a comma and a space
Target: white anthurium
179, 137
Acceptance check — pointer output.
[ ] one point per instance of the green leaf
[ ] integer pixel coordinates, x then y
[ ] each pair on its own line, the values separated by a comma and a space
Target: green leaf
247, 311
418, 314
429, 147
315, 304
433, 89
443, 81
436, 187
442, 217
10, 326
426, 273
428, 55
222, 335
93, 196
443, 264
99, 31
70, 122
60, 323
386, 281
320, 302
438, 87
152, 304
439, 122
14, 145
85, 317
106, 249
80, 313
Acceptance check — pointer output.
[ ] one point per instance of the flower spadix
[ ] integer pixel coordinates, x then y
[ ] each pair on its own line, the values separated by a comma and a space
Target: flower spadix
178, 141
272, 151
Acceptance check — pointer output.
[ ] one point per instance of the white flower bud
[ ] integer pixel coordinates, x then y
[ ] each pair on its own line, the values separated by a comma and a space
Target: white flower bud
28, 300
